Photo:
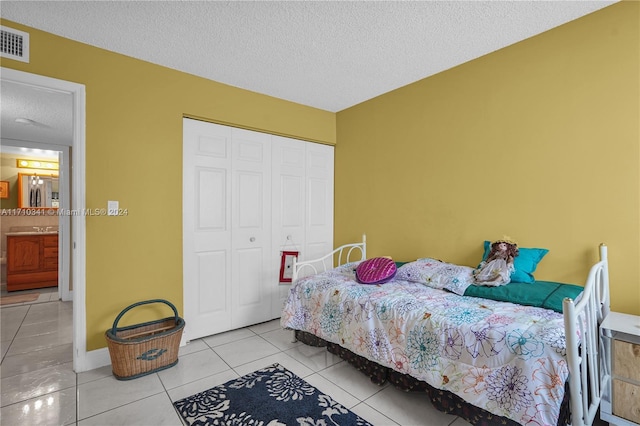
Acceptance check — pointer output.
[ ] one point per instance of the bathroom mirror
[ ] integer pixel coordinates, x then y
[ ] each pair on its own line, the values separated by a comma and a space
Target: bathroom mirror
38, 191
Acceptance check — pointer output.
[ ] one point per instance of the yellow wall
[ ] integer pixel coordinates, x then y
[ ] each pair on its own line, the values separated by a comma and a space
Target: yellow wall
538, 141
134, 113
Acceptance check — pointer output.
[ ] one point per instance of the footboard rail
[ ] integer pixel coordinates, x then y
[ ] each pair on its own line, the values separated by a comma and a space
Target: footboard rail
343, 253
587, 354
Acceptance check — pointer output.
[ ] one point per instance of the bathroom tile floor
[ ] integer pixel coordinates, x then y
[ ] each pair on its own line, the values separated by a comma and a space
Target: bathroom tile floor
38, 385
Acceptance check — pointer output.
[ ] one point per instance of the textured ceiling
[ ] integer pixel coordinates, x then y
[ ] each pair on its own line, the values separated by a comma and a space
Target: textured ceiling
326, 54
50, 113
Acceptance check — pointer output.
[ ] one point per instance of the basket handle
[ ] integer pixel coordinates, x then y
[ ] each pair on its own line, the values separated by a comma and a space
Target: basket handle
145, 302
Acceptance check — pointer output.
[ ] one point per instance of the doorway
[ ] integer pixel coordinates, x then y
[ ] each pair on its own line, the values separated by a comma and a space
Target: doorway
16, 213
73, 226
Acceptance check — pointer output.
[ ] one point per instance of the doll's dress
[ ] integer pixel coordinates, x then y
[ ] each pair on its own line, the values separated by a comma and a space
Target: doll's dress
494, 273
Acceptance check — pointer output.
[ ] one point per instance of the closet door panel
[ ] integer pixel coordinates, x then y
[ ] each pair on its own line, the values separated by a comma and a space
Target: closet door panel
206, 228
210, 191
212, 270
289, 193
249, 293
251, 227
292, 203
319, 212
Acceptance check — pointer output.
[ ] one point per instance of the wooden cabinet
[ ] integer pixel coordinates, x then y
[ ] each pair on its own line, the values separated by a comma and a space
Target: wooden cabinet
621, 334
32, 261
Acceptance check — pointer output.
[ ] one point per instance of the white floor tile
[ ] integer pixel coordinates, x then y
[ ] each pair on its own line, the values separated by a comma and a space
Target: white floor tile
192, 367
315, 358
23, 363
51, 308
373, 416
291, 364
155, 410
408, 408
95, 374
9, 327
37, 383
56, 408
23, 345
266, 326
4, 347
228, 337
245, 350
10, 312
201, 385
64, 328
48, 313
333, 390
461, 422
191, 347
351, 380
43, 297
106, 394
281, 339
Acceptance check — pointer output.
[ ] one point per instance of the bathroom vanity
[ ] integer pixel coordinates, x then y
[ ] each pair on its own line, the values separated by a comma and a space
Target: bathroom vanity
32, 260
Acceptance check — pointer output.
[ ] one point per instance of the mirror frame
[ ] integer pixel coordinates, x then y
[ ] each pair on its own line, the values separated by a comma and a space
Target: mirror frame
20, 190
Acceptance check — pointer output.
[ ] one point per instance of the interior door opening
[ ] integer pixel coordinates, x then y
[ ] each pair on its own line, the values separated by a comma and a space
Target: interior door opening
42, 195
74, 236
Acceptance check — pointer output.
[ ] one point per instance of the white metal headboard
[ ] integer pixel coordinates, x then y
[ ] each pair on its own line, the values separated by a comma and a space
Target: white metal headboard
588, 372
324, 263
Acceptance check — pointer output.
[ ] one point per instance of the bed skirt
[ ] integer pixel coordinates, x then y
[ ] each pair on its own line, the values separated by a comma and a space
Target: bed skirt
444, 401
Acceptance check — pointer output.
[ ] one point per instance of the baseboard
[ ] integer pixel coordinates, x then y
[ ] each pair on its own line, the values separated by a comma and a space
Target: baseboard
96, 359
69, 298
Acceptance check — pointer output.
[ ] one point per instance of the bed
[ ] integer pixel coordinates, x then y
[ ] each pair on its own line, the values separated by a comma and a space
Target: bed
488, 361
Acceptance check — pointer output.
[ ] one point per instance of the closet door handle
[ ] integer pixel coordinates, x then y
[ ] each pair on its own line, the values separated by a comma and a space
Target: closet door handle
252, 239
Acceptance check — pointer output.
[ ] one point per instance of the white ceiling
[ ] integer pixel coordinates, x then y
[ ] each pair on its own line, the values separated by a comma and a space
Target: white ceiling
326, 54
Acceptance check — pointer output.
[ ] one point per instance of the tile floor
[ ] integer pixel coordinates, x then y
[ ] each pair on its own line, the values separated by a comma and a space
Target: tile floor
39, 387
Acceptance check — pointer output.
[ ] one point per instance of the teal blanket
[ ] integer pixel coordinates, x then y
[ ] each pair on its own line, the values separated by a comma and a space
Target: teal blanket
542, 294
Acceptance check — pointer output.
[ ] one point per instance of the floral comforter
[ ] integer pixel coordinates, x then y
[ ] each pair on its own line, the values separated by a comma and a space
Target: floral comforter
505, 358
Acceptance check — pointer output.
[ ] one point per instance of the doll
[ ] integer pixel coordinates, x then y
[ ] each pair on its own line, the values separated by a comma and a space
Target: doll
496, 269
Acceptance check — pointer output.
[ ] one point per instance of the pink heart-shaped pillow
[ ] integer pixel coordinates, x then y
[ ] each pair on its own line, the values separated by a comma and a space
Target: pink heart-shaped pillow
377, 270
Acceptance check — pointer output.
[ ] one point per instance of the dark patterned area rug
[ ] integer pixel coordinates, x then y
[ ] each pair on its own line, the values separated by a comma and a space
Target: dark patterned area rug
273, 396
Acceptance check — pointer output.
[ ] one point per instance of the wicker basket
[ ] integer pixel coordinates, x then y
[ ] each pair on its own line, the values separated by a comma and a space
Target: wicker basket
141, 349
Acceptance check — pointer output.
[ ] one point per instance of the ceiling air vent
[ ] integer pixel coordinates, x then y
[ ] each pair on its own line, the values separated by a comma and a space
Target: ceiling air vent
14, 44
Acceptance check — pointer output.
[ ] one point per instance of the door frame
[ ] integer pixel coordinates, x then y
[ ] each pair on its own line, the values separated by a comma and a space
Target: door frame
78, 200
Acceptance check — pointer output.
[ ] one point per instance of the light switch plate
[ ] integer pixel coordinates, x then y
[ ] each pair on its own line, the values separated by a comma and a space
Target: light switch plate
112, 208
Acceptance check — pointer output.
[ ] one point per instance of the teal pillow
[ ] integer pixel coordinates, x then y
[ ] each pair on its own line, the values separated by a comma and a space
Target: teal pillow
525, 263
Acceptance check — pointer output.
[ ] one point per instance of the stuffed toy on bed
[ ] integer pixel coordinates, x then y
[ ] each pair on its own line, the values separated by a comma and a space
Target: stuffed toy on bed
496, 269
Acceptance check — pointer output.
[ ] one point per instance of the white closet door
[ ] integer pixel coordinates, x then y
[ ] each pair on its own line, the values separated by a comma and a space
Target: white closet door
206, 202
319, 214
289, 194
251, 275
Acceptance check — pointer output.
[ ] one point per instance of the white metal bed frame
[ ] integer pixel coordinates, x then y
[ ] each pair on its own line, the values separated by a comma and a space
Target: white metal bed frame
326, 262
587, 355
